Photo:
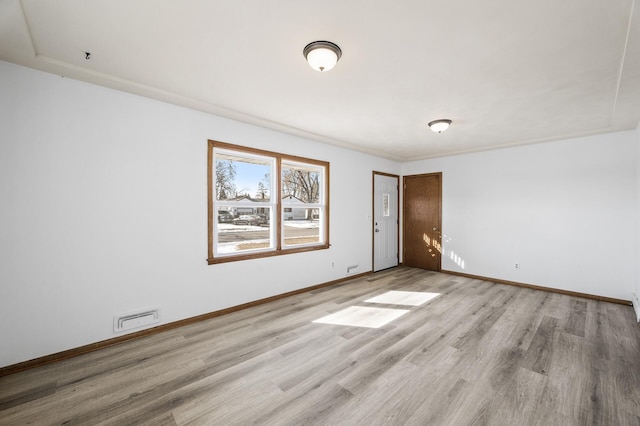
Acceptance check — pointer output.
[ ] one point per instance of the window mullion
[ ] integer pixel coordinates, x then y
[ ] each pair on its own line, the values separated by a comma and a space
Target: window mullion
278, 199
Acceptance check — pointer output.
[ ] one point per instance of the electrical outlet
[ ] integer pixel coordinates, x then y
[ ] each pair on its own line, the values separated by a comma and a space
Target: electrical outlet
333, 264
517, 266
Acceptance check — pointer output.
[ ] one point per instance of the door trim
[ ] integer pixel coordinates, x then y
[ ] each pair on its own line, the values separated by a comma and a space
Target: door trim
373, 212
404, 209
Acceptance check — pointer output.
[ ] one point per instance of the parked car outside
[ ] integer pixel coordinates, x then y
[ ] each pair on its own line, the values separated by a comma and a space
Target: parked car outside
224, 217
247, 219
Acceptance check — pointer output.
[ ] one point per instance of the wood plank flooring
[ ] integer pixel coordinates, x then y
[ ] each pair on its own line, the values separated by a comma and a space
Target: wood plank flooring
478, 354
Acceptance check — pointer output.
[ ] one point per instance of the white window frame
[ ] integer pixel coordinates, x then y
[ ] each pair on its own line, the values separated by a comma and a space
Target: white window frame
320, 206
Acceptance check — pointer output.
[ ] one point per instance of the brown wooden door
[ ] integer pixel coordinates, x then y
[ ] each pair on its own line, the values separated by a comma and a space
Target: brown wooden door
422, 218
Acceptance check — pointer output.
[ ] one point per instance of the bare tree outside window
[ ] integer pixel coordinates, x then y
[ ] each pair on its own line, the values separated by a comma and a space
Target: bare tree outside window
225, 179
263, 187
302, 184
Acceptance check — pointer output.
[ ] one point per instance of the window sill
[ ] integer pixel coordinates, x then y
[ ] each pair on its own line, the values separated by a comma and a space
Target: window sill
249, 256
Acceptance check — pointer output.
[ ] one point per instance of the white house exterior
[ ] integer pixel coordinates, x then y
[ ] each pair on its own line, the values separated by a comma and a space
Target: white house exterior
293, 208
291, 211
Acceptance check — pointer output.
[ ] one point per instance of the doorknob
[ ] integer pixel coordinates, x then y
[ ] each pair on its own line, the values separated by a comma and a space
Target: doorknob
435, 229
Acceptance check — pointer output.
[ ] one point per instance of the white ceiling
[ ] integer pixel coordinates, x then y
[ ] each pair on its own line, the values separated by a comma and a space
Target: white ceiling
507, 72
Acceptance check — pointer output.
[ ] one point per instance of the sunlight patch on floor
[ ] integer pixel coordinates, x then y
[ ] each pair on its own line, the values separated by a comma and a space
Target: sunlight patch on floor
360, 316
410, 298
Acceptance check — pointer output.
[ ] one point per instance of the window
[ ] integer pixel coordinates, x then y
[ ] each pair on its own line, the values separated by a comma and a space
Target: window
264, 203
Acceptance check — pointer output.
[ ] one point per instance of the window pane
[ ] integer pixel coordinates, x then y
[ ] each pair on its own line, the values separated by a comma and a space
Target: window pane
301, 200
301, 183
385, 205
298, 231
239, 176
244, 232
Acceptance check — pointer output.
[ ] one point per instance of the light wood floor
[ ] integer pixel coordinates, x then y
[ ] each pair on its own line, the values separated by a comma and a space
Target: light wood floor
478, 354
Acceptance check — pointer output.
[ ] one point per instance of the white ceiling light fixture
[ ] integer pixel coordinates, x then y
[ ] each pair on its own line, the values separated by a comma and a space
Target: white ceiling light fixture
439, 126
322, 55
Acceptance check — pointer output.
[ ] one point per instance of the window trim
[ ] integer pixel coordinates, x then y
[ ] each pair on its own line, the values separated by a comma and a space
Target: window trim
279, 250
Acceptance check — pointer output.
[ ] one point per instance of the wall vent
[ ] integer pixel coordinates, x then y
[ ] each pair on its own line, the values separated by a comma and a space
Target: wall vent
636, 305
353, 268
135, 320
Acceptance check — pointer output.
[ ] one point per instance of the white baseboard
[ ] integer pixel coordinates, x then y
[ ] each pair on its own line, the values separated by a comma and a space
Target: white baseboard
636, 305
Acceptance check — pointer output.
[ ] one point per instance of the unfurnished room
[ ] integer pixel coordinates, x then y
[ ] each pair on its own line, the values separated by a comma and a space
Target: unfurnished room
337, 213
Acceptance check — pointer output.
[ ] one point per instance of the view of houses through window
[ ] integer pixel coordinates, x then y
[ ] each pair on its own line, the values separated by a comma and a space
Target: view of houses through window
264, 203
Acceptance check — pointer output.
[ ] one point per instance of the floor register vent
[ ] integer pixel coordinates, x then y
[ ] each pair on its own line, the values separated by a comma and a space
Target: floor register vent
135, 320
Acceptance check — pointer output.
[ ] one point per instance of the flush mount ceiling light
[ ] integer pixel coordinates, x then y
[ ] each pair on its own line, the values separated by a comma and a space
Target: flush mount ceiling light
322, 55
439, 126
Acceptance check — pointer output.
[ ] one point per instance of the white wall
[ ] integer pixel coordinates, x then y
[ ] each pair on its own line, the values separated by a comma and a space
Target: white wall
104, 211
566, 212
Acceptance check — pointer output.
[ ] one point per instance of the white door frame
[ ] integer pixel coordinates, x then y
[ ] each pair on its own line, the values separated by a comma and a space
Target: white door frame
386, 222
